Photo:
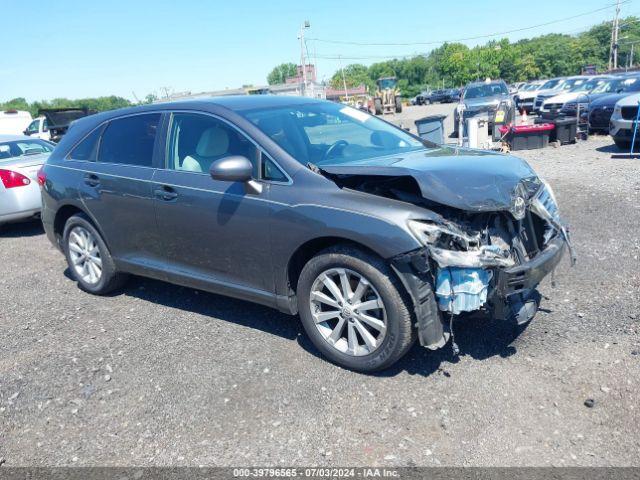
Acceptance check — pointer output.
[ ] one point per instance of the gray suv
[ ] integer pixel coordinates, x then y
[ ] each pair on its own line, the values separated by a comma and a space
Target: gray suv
373, 236
485, 98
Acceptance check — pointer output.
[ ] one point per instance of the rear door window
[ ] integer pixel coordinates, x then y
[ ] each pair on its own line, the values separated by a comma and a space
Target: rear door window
130, 140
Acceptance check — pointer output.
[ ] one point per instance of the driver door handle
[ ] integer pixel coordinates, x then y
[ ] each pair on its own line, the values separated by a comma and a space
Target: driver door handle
165, 193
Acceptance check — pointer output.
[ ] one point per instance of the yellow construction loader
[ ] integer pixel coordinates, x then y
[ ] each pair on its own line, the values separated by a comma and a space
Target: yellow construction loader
387, 99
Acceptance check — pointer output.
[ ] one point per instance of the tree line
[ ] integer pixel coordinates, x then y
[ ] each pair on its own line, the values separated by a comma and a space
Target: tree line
455, 64
99, 104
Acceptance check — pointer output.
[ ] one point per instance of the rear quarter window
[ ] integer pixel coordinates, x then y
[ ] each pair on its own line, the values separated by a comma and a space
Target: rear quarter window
87, 149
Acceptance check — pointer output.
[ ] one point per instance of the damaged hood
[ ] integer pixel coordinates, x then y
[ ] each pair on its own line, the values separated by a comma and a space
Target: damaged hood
471, 180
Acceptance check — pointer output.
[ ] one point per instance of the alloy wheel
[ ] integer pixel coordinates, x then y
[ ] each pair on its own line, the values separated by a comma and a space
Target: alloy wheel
85, 255
348, 311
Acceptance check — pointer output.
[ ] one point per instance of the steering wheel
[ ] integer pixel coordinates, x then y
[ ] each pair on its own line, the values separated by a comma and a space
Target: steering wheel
335, 146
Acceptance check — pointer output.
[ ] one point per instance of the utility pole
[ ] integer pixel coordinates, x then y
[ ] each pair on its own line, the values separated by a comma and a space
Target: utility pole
613, 51
344, 80
303, 65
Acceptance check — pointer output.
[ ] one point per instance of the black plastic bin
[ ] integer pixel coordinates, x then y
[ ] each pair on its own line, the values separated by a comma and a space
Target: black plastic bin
527, 137
566, 129
431, 128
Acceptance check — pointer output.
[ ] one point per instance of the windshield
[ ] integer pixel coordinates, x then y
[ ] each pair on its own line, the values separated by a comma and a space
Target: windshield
573, 83
550, 84
618, 84
331, 134
20, 148
486, 90
387, 83
530, 86
586, 86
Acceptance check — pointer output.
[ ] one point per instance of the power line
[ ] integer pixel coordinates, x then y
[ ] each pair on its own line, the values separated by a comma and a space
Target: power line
344, 42
341, 56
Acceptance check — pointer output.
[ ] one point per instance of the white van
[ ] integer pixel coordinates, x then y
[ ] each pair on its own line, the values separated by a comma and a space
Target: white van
39, 128
14, 122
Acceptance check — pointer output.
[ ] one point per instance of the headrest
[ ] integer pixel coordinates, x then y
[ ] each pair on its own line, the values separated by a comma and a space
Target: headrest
213, 142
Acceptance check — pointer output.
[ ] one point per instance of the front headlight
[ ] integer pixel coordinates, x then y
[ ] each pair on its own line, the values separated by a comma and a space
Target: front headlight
617, 110
430, 234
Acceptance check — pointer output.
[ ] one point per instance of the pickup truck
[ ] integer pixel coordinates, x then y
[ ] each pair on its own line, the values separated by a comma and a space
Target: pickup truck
53, 123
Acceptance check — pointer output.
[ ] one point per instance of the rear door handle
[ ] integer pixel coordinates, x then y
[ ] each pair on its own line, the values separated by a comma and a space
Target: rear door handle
91, 180
165, 193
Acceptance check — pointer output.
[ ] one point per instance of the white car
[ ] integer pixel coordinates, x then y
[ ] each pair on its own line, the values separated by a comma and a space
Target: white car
526, 96
13, 122
39, 128
579, 91
563, 86
621, 124
20, 160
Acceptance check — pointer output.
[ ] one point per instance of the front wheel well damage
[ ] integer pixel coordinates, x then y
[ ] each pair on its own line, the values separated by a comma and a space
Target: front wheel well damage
310, 249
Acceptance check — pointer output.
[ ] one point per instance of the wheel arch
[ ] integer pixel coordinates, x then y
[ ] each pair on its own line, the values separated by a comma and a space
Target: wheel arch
310, 249
64, 213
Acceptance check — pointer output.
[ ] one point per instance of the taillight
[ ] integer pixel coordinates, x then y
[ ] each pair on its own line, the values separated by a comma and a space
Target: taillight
42, 177
12, 179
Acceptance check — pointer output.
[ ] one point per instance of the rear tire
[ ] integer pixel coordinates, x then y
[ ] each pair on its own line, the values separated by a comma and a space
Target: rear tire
381, 285
377, 105
88, 257
398, 105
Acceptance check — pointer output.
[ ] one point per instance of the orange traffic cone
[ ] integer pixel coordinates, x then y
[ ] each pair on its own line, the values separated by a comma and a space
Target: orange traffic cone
524, 117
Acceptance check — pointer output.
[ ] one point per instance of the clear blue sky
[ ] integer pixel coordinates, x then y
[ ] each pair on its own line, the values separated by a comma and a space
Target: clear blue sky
74, 49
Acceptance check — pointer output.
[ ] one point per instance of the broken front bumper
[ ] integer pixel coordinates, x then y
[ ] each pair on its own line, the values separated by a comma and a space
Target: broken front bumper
513, 288
512, 294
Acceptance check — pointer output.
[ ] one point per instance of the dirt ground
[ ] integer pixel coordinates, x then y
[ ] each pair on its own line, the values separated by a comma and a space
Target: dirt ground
160, 375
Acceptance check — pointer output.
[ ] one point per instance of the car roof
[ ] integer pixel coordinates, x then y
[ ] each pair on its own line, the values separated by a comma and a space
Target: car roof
492, 82
235, 103
13, 138
632, 99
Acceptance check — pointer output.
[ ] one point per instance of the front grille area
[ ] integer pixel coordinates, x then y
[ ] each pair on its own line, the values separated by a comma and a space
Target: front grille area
553, 106
629, 113
599, 117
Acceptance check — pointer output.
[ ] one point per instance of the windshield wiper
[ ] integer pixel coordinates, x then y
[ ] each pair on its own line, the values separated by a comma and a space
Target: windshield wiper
314, 168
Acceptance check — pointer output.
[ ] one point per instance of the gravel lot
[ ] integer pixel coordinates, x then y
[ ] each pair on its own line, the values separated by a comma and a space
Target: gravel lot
163, 375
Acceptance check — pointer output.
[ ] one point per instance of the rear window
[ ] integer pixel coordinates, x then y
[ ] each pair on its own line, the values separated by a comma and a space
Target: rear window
130, 140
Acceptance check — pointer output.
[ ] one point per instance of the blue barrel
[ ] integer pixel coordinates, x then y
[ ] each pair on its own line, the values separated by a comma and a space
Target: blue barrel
431, 128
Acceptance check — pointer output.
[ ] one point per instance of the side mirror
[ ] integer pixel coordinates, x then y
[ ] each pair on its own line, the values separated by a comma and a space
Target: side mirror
235, 168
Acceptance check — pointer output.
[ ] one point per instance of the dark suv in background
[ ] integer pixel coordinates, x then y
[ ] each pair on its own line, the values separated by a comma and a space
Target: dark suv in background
372, 235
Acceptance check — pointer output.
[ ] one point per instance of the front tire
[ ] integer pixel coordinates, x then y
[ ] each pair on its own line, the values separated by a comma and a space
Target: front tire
88, 257
624, 145
398, 105
354, 309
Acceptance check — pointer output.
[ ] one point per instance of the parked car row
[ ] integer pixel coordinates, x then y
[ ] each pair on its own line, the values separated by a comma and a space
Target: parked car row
607, 103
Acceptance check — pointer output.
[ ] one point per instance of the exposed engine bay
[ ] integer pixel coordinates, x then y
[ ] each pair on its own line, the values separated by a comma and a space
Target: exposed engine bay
470, 255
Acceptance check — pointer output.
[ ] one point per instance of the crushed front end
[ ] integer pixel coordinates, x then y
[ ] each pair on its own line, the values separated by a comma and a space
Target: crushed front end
488, 261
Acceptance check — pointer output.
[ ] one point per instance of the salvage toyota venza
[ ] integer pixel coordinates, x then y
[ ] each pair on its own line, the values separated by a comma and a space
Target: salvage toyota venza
373, 236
